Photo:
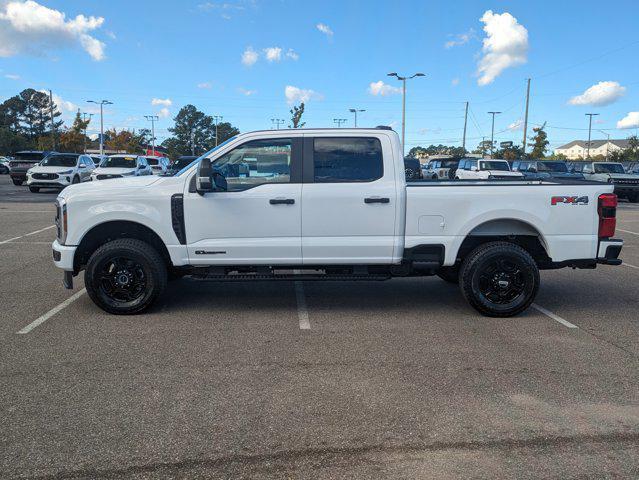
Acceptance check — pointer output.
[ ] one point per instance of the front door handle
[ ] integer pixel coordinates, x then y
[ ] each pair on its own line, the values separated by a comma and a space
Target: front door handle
377, 200
281, 201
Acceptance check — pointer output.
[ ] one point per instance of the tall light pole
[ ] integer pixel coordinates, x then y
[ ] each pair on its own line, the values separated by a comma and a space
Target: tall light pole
217, 119
339, 121
84, 119
355, 111
607, 144
492, 134
278, 122
403, 80
152, 119
589, 115
102, 103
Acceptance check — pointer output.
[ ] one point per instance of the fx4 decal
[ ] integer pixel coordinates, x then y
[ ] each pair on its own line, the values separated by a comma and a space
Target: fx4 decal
569, 200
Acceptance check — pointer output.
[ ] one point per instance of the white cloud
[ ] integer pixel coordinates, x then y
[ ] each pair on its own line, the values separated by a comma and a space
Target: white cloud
30, 28
273, 54
164, 113
246, 92
460, 39
204, 85
454, 82
162, 101
505, 46
516, 125
12, 76
63, 106
295, 94
223, 8
629, 121
325, 29
249, 57
292, 54
603, 93
383, 89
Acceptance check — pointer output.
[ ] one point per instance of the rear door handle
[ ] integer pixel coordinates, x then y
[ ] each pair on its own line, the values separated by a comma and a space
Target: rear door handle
377, 200
281, 201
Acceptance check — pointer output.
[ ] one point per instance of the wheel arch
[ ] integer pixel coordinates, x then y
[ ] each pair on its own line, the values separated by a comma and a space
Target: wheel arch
110, 230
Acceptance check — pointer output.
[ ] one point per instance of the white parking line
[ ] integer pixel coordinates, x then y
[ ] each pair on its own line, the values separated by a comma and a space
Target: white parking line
40, 320
26, 235
556, 318
631, 266
628, 231
302, 310
28, 211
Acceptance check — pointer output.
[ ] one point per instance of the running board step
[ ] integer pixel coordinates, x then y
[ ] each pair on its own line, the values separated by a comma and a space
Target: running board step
288, 277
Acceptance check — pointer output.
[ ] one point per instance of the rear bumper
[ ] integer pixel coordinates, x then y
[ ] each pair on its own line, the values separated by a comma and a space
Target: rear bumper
609, 250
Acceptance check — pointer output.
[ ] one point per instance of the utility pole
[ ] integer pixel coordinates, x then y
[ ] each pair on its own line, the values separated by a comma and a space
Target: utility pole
192, 142
526, 118
217, 119
152, 119
278, 122
354, 111
86, 124
465, 123
339, 121
589, 115
102, 103
403, 80
492, 134
52, 122
483, 146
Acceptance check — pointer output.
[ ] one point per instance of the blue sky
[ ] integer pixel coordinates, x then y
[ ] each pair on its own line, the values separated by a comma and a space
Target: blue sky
330, 53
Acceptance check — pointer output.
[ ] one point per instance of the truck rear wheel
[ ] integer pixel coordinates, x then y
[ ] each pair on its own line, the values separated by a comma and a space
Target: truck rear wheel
125, 276
499, 279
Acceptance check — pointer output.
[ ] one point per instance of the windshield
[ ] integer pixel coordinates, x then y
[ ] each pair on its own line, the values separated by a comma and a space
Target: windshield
449, 163
609, 168
501, 166
32, 156
552, 167
206, 155
152, 161
60, 161
118, 162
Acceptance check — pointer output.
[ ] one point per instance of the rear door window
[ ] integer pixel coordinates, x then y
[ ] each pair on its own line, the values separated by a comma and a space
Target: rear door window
347, 160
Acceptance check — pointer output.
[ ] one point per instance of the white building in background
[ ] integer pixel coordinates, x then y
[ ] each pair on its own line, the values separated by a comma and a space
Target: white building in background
578, 148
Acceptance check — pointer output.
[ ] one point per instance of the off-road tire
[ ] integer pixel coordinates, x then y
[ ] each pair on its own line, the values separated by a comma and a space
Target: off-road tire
17, 182
479, 264
141, 253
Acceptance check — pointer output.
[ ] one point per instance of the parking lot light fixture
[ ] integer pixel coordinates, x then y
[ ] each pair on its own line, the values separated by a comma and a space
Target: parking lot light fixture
355, 111
492, 134
589, 115
403, 80
102, 103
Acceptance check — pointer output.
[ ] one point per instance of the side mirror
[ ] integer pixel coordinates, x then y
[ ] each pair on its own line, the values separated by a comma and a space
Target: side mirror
203, 180
82, 165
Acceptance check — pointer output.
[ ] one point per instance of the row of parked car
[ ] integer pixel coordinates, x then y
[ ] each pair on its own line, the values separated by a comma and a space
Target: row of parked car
41, 169
624, 177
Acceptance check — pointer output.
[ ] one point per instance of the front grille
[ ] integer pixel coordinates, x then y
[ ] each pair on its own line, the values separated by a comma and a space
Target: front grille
627, 182
104, 176
45, 176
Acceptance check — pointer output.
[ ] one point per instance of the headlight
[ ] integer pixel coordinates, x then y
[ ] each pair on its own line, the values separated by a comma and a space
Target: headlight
66, 172
61, 221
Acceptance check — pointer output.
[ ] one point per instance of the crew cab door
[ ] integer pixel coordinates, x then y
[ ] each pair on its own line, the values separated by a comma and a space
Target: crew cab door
349, 200
257, 221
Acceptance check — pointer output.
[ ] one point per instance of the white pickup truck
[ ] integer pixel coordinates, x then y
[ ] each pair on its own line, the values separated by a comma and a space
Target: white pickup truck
327, 204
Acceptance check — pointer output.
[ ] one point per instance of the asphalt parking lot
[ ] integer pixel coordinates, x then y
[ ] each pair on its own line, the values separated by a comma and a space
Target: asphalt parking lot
397, 379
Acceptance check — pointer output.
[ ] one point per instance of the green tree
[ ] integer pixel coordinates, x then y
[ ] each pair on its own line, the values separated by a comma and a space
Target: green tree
73, 139
122, 141
296, 116
540, 143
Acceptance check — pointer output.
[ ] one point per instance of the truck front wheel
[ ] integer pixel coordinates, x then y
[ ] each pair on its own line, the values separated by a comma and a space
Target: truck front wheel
499, 279
125, 276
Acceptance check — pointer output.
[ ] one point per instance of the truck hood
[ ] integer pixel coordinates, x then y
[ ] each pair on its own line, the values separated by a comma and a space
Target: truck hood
103, 187
39, 169
113, 171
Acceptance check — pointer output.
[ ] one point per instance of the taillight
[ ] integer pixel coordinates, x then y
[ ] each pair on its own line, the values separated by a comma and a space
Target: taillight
607, 210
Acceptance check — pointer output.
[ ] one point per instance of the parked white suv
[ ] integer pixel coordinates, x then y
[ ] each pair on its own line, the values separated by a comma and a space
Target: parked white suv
58, 170
122, 165
159, 165
485, 169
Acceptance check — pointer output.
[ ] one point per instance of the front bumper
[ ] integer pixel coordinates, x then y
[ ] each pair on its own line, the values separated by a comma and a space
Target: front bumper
18, 175
609, 251
63, 256
626, 189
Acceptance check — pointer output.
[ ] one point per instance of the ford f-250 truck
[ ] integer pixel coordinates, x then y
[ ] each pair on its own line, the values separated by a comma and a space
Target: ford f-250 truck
326, 204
